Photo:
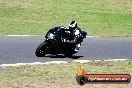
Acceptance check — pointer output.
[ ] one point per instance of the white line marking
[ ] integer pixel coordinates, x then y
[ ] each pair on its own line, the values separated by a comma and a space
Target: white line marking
85, 61
58, 62
34, 63
82, 61
116, 60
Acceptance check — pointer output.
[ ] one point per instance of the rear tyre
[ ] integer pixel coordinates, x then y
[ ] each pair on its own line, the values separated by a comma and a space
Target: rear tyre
40, 51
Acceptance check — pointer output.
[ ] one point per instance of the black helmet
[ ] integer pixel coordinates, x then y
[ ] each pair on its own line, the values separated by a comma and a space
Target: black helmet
72, 25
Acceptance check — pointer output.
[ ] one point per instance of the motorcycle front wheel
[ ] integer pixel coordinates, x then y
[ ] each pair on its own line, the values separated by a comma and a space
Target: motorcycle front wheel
40, 51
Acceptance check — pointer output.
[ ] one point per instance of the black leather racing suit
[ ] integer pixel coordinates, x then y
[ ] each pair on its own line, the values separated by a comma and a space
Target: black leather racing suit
74, 38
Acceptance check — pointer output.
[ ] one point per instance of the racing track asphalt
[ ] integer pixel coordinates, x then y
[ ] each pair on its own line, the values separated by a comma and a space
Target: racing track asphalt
20, 49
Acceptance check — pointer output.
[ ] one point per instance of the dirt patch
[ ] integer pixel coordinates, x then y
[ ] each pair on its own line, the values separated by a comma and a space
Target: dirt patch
120, 5
15, 3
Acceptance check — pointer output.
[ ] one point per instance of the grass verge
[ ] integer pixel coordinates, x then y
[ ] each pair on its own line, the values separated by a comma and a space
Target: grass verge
61, 75
36, 17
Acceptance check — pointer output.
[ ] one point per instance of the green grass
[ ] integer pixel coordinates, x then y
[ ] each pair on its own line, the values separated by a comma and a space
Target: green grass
97, 17
61, 75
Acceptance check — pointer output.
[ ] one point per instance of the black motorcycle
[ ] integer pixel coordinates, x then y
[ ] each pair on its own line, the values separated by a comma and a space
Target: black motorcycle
55, 43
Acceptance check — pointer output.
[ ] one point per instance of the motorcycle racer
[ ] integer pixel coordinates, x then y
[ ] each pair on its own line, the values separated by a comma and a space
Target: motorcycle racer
75, 34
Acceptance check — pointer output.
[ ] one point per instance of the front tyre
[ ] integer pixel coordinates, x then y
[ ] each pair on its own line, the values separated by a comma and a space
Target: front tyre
40, 51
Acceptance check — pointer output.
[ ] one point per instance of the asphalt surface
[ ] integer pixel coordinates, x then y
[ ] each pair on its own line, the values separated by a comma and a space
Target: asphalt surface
21, 49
